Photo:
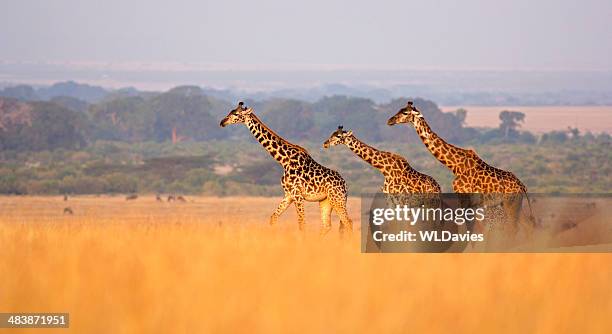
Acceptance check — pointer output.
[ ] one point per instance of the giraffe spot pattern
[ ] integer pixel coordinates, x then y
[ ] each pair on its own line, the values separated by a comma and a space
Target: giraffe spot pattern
303, 178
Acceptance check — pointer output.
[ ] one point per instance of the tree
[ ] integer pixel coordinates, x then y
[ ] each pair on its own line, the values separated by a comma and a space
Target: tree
461, 115
574, 132
291, 119
510, 121
124, 118
555, 137
186, 113
355, 113
36, 126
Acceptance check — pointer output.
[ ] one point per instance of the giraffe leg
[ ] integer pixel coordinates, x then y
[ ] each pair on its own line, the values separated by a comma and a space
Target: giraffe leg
287, 200
346, 225
339, 205
299, 207
326, 209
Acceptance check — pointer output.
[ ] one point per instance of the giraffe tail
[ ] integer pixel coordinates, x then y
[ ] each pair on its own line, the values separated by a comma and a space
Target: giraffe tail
531, 215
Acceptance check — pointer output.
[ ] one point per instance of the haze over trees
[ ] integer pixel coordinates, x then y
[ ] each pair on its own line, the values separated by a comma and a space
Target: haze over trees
187, 113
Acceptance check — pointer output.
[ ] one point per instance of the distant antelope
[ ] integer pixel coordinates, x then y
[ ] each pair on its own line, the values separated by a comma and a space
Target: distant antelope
68, 211
158, 198
131, 197
65, 197
171, 198
181, 199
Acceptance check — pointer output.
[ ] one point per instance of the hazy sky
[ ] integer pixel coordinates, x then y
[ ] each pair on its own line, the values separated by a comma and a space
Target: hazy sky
475, 34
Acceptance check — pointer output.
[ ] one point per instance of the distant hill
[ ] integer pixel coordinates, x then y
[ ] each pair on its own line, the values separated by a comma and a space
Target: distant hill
71, 89
79, 91
20, 92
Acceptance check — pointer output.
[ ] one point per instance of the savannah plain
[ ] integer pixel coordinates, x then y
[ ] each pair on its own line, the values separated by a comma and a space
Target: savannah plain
214, 265
595, 119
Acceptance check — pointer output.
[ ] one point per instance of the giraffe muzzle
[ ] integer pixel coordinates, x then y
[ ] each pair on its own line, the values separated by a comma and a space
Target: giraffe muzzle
223, 123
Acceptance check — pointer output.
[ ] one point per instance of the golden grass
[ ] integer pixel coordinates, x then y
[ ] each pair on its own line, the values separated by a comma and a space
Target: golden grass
142, 266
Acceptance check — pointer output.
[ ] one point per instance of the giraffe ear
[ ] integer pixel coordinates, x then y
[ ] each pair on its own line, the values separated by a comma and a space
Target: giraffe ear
247, 111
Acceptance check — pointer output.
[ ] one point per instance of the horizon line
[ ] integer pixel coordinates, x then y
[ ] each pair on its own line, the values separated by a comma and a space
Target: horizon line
185, 66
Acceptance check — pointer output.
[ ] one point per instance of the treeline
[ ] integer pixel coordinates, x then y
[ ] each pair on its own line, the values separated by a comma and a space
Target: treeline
187, 113
69, 123
222, 168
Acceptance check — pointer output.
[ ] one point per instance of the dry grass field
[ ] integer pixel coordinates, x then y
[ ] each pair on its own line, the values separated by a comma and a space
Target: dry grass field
213, 265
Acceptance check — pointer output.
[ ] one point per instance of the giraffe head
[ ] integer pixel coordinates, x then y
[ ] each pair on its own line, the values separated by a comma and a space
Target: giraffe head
407, 114
237, 115
337, 137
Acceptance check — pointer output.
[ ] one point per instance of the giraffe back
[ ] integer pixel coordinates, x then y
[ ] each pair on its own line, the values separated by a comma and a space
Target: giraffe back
476, 176
400, 177
314, 181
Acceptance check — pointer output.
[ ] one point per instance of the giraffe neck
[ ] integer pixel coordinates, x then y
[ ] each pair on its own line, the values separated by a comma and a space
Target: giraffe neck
449, 155
280, 149
369, 154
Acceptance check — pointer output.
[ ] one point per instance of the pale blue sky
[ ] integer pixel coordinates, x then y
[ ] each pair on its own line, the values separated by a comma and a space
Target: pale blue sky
474, 34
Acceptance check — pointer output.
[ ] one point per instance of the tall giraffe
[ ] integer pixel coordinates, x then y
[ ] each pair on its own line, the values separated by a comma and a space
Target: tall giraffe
472, 174
400, 177
303, 179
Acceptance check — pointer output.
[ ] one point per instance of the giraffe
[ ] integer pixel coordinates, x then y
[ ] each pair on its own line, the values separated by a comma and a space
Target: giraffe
472, 174
303, 178
400, 177
403, 185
